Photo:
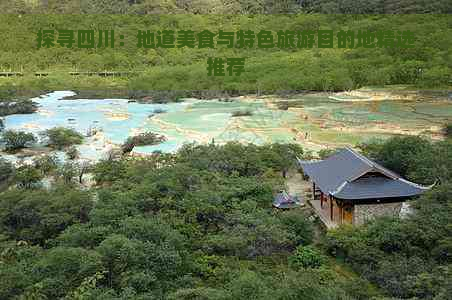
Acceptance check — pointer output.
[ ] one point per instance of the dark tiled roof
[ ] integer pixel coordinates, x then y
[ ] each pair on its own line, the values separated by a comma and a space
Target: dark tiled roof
342, 175
283, 200
377, 187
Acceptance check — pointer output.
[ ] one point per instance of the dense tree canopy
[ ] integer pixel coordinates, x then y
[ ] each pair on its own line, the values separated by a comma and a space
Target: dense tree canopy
407, 258
231, 7
164, 74
6, 170
198, 224
414, 157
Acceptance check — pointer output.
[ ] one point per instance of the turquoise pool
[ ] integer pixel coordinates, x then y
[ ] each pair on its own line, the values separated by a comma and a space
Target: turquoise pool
184, 122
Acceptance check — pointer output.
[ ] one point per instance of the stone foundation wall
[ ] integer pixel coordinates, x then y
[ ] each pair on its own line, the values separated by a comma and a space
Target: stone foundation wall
366, 212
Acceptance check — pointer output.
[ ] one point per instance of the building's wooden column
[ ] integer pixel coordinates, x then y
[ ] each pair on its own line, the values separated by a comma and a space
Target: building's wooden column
313, 190
331, 208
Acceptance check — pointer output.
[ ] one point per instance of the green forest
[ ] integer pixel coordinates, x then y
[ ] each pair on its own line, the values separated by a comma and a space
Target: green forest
183, 71
226, 6
198, 224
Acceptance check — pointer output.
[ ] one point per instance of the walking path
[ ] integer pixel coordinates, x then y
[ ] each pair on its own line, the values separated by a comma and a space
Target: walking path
296, 186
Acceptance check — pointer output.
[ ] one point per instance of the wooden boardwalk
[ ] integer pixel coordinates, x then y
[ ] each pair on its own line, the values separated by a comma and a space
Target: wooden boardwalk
11, 74
323, 214
76, 73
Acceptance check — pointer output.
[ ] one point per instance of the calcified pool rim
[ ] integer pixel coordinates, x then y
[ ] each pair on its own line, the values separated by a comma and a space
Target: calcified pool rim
314, 120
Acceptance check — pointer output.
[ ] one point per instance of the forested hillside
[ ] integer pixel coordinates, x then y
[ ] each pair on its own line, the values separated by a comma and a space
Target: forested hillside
426, 65
227, 6
199, 225
195, 225
408, 258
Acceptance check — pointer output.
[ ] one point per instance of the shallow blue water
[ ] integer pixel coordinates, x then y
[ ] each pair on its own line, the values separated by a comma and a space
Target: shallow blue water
185, 122
82, 114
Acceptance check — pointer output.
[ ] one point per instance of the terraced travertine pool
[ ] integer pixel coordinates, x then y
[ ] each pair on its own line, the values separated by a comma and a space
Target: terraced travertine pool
315, 121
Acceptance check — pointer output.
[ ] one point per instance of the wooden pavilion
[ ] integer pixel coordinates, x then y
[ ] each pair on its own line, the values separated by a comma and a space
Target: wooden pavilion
350, 188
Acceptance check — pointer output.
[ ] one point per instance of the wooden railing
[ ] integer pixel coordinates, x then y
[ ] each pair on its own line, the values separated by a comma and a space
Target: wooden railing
76, 73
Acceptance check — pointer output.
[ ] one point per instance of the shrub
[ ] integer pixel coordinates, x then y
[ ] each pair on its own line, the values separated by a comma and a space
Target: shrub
16, 107
298, 226
242, 113
143, 139
68, 172
283, 105
443, 252
109, 171
447, 130
6, 170
325, 153
15, 140
306, 257
46, 164
72, 153
60, 137
27, 177
159, 111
